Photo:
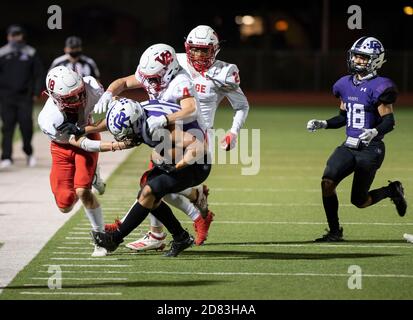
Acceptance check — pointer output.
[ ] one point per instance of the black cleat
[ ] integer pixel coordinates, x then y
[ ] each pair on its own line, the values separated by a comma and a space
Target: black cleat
335, 236
178, 246
105, 240
397, 196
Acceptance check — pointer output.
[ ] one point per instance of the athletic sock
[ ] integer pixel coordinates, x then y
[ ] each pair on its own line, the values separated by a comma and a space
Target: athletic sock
134, 218
165, 215
183, 204
379, 194
95, 218
331, 208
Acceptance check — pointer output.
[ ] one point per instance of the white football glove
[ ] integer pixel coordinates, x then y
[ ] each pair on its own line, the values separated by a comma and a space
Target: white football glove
156, 123
368, 135
314, 124
103, 103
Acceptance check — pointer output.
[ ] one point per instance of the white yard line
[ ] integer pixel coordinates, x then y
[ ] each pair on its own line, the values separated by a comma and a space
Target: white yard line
27, 204
91, 265
88, 279
249, 274
56, 293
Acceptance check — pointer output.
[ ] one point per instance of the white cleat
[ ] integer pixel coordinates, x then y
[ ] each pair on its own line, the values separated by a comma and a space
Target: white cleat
148, 242
99, 252
6, 163
408, 237
31, 161
98, 184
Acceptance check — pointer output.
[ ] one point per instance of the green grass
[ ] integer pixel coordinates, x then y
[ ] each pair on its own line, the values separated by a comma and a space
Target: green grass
260, 245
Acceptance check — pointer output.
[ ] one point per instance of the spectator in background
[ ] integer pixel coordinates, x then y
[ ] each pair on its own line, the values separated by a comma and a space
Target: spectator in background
21, 80
75, 60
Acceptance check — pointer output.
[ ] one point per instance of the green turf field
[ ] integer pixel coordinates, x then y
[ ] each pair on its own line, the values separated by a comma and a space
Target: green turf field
260, 245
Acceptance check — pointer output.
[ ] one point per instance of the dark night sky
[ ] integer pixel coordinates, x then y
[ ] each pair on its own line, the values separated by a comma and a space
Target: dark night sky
115, 33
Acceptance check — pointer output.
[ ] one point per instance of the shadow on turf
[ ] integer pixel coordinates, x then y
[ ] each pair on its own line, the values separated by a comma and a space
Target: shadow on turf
363, 241
242, 255
132, 284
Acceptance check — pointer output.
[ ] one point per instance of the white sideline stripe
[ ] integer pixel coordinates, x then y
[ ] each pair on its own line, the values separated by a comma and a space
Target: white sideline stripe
265, 274
86, 259
74, 248
78, 238
74, 242
90, 265
73, 253
269, 204
100, 279
72, 293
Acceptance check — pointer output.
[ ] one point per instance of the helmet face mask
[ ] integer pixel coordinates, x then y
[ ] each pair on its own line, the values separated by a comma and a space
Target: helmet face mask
66, 88
71, 102
366, 48
202, 47
157, 67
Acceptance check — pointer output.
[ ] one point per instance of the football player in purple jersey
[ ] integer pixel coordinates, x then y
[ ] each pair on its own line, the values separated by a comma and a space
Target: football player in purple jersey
366, 109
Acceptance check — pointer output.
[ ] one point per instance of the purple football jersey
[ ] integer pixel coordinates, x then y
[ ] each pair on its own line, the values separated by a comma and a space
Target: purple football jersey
162, 108
361, 101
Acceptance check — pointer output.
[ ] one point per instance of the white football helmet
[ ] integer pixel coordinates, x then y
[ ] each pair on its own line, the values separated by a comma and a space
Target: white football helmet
371, 48
124, 118
66, 88
157, 67
202, 46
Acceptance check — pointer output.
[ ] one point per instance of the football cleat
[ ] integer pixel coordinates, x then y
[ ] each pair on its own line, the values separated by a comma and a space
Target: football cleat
408, 237
177, 246
397, 196
201, 226
148, 242
99, 251
201, 202
112, 227
98, 184
105, 240
331, 236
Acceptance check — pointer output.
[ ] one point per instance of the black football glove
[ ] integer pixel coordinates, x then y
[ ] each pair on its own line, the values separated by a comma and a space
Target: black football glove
70, 128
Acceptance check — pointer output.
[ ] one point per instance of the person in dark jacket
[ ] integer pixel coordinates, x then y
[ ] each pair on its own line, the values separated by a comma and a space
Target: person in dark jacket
21, 81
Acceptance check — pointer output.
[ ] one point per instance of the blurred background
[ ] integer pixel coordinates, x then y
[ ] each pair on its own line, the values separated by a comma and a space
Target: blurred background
279, 46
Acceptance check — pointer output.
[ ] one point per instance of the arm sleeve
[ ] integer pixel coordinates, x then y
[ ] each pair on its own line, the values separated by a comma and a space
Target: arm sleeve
386, 125
240, 104
337, 121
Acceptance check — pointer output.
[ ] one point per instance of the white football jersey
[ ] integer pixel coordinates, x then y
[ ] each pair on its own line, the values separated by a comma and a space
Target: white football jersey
220, 81
51, 117
181, 86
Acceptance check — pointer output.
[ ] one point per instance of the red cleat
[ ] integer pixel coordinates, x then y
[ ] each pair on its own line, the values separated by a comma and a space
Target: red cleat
201, 227
112, 227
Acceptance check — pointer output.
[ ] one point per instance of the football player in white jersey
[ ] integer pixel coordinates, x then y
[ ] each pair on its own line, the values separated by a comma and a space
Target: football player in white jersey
214, 80
160, 74
73, 171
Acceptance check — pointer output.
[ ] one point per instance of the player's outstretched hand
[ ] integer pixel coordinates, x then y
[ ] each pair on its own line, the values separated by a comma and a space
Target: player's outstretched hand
368, 135
103, 103
314, 124
229, 141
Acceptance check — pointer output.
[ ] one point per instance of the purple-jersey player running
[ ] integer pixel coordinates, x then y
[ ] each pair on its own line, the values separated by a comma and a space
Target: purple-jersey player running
366, 109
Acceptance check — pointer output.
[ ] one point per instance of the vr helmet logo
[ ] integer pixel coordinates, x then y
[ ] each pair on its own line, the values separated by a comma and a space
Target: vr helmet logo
375, 45
165, 58
120, 119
